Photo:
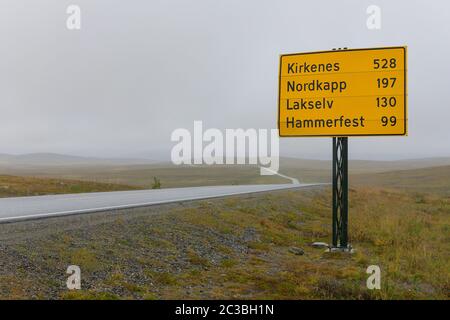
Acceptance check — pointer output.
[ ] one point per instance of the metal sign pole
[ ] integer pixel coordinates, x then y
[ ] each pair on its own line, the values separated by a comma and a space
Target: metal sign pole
340, 193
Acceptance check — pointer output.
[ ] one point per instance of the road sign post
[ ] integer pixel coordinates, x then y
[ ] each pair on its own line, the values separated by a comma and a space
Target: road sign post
342, 93
340, 193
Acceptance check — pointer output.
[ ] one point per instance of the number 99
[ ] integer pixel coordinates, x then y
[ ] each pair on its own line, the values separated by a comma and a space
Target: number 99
392, 121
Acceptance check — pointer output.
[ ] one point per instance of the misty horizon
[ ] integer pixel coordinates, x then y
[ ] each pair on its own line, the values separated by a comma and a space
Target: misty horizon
133, 74
162, 160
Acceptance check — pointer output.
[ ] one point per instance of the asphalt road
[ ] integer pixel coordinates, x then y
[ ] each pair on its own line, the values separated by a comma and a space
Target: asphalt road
26, 208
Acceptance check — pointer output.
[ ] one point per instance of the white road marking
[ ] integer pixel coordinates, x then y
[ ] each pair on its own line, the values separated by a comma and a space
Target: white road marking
294, 180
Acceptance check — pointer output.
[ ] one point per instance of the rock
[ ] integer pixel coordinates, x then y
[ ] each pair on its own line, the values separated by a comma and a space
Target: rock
250, 234
296, 251
319, 245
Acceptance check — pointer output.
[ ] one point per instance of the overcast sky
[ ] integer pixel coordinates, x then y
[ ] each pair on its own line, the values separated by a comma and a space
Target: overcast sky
139, 69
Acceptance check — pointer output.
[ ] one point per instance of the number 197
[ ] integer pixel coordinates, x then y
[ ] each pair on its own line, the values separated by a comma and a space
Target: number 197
386, 82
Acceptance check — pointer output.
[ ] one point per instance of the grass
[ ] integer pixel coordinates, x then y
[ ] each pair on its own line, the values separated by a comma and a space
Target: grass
172, 176
15, 186
142, 176
238, 247
434, 180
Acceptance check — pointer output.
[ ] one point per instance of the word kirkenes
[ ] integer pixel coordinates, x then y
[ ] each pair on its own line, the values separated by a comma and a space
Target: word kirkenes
316, 85
294, 67
291, 122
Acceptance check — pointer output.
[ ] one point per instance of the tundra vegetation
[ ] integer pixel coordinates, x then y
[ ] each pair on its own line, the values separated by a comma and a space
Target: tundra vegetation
16, 186
241, 247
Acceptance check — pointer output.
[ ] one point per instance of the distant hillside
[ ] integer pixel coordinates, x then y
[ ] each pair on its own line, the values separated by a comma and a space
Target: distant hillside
368, 165
429, 180
308, 170
140, 172
12, 186
54, 159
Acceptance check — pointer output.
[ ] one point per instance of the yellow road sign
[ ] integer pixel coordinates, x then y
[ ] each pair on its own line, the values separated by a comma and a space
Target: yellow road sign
356, 92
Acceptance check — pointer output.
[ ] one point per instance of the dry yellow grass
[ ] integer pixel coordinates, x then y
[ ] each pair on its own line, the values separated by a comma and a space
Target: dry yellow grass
170, 176
239, 248
14, 186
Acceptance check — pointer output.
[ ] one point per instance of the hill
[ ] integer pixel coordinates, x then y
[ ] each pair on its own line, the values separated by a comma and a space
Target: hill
33, 160
138, 173
427, 180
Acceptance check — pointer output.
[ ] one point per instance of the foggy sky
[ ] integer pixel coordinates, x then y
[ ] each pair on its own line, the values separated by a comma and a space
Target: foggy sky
139, 69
